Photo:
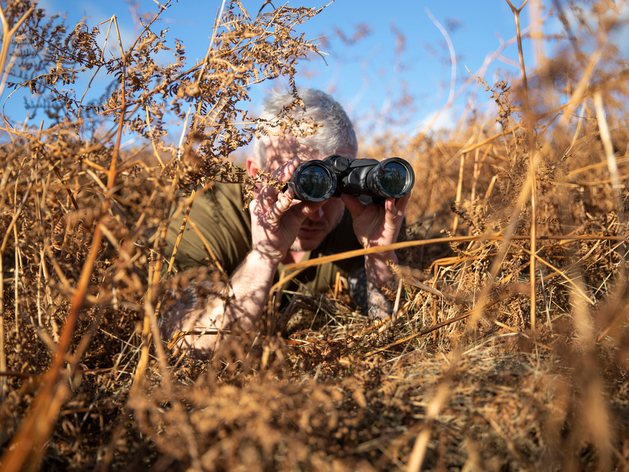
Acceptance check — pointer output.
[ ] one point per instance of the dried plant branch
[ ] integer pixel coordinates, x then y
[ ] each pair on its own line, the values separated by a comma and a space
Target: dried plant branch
609, 153
459, 191
532, 167
420, 447
452, 55
8, 33
37, 427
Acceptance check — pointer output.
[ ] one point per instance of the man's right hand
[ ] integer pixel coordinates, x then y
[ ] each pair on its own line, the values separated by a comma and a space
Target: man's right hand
276, 218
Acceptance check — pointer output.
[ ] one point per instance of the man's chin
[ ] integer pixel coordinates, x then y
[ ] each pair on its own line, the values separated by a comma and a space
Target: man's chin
309, 238
306, 244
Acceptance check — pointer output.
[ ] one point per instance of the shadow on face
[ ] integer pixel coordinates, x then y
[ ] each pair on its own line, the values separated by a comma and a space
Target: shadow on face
318, 225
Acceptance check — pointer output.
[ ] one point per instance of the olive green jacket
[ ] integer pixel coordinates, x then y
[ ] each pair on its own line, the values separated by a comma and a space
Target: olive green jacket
219, 217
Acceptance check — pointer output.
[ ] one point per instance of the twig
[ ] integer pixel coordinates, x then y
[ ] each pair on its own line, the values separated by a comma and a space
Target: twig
7, 36
434, 408
16, 215
580, 92
3, 357
487, 141
35, 430
609, 152
217, 24
396, 306
452, 55
148, 125
16, 274
406, 244
598, 165
532, 163
459, 191
301, 266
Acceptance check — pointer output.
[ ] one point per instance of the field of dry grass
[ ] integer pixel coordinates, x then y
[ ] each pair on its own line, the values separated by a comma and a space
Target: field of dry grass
508, 348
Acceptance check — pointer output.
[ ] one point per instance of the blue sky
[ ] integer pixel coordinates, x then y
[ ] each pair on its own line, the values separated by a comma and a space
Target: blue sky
367, 77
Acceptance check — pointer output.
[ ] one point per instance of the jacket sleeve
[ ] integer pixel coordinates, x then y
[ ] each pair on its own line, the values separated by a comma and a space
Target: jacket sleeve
219, 217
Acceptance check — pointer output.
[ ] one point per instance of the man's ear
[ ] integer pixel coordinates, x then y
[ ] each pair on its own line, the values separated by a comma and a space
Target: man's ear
252, 166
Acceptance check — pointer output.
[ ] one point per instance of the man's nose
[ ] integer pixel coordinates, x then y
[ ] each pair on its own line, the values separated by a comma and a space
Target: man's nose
317, 215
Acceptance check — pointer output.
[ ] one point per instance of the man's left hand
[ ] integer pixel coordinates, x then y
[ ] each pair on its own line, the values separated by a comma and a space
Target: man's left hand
376, 225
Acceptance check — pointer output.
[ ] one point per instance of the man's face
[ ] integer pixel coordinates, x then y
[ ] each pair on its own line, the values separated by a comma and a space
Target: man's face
318, 225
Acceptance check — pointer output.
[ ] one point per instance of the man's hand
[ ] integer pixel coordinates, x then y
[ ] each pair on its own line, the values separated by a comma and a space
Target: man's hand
276, 219
377, 225
275, 223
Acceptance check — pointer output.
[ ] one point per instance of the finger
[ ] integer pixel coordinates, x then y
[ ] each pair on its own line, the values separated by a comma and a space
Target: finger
353, 204
401, 203
261, 205
395, 208
281, 206
267, 197
268, 194
255, 208
286, 170
393, 215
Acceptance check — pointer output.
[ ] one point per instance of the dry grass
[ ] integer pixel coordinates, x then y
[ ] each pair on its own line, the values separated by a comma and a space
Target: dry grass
509, 349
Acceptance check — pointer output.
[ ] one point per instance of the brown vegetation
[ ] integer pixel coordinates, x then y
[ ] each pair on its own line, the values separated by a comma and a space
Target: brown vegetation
508, 348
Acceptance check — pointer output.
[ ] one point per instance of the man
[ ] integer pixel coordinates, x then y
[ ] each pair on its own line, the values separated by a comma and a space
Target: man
252, 246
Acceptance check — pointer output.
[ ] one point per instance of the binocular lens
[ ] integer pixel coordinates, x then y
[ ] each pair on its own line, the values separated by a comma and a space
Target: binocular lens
393, 178
318, 180
315, 182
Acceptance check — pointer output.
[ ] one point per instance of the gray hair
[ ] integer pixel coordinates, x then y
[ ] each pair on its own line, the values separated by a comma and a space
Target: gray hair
336, 129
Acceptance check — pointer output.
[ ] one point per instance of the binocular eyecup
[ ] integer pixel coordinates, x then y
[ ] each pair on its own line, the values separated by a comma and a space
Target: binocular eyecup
318, 180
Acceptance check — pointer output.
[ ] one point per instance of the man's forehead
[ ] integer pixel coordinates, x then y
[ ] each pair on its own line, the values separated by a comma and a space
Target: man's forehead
283, 148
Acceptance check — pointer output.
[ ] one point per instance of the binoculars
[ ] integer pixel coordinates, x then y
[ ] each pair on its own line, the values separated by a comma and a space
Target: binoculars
318, 180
